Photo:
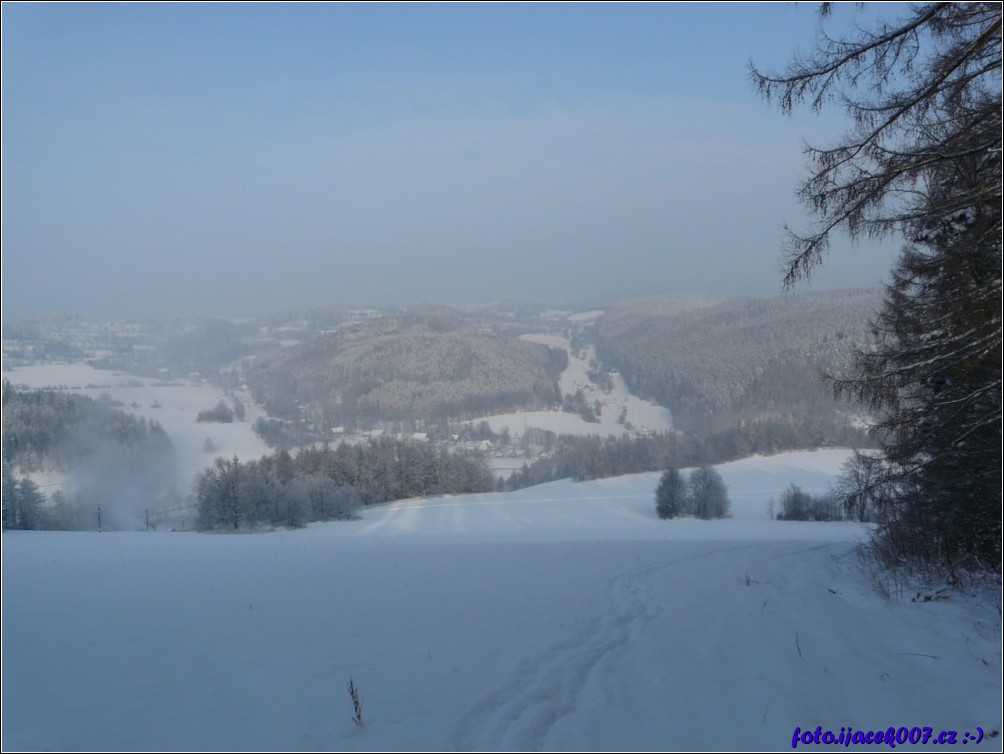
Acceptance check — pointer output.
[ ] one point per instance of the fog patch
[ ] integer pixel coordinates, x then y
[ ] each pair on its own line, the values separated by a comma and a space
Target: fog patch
130, 478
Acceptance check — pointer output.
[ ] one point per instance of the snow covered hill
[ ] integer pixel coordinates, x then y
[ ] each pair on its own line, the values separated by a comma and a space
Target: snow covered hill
561, 617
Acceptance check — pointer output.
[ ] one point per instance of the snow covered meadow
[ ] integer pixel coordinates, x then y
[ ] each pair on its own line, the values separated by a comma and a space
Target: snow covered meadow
563, 617
174, 403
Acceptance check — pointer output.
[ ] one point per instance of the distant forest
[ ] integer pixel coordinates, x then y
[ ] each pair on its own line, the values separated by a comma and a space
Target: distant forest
718, 363
595, 457
413, 368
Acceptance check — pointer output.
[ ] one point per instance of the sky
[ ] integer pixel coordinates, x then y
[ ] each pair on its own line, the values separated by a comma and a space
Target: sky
232, 159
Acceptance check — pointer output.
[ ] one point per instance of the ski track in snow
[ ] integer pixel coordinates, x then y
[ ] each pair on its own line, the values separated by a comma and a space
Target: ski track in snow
568, 619
546, 687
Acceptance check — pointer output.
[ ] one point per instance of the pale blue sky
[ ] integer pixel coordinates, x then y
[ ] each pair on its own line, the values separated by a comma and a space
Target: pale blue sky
231, 159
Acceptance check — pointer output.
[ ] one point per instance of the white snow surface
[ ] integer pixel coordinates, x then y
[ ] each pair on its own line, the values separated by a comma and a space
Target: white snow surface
561, 617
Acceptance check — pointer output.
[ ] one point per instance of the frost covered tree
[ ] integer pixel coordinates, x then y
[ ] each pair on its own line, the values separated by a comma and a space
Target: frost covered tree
9, 497
31, 503
934, 381
219, 495
346, 503
316, 497
921, 162
23, 502
671, 494
798, 505
322, 484
708, 494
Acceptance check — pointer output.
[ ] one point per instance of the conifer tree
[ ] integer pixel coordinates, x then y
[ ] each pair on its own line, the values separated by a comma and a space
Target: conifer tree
671, 494
922, 162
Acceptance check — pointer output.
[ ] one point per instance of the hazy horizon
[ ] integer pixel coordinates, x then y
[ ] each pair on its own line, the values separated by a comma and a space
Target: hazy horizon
229, 160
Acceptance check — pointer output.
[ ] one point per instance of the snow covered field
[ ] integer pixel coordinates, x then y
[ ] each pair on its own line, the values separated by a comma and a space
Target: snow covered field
173, 403
565, 616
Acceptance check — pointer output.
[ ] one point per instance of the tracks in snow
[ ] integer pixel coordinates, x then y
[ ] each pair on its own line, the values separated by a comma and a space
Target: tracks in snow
519, 714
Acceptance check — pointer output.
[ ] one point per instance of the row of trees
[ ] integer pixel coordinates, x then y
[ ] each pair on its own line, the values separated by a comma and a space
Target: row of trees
25, 506
595, 457
798, 505
230, 494
284, 433
922, 163
327, 483
703, 494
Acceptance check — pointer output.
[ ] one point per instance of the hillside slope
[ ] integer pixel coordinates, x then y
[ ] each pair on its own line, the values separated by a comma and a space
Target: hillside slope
565, 617
401, 368
737, 359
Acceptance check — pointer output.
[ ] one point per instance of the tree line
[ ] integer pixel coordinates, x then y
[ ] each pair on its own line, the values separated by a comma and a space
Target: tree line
594, 457
325, 483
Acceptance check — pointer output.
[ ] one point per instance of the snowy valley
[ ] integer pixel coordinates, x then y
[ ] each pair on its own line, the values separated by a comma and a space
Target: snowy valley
560, 616
501, 377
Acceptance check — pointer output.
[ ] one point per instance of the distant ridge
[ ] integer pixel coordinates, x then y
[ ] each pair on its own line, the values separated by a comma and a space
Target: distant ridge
409, 367
715, 361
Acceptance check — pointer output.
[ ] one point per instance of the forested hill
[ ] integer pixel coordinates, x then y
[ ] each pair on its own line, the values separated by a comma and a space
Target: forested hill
52, 429
718, 362
406, 367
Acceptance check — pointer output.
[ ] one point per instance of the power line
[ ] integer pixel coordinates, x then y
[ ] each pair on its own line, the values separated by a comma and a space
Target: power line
158, 511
